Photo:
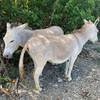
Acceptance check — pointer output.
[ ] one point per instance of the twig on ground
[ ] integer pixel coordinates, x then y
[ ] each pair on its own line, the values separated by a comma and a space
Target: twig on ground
7, 93
28, 91
23, 86
16, 85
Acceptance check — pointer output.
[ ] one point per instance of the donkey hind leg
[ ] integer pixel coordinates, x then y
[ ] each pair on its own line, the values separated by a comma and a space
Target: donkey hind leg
66, 70
38, 70
71, 63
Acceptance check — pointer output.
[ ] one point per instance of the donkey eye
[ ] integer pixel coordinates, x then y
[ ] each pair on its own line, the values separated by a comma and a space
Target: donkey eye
12, 41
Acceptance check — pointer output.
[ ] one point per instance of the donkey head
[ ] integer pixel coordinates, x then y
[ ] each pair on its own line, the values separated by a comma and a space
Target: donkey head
12, 39
91, 29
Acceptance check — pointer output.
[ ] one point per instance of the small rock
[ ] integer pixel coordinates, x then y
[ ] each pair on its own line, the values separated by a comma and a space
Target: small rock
59, 80
55, 85
41, 85
93, 69
66, 91
41, 79
50, 83
78, 78
89, 77
43, 89
75, 95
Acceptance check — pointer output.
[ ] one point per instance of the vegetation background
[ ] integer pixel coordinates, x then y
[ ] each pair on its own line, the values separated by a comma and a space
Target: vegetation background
43, 13
68, 14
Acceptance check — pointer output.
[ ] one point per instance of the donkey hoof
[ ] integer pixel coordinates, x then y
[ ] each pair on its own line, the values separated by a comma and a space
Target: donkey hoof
40, 89
69, 78
37, 91
65, 77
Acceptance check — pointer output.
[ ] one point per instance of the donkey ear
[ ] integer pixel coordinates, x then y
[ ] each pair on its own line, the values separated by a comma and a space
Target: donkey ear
85, 21
97, 21
90, 21
23, 26
8, 25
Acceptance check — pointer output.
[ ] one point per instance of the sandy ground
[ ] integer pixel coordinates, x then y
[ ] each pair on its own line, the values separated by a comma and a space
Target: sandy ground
84, 86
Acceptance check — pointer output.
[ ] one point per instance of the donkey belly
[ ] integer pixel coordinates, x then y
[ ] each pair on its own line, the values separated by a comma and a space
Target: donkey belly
61, 52
60, 57
58, 61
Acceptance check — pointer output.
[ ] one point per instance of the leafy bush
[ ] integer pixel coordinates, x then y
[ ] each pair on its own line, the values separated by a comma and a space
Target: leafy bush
42, 13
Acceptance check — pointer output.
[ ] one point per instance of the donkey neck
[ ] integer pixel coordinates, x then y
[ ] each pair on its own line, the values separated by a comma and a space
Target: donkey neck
24, 35
82, 37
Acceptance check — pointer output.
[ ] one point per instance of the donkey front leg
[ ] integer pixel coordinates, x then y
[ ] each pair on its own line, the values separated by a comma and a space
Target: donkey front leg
71, 63
38, 70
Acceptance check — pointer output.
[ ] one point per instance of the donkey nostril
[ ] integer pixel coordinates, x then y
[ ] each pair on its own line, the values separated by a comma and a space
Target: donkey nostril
7, 56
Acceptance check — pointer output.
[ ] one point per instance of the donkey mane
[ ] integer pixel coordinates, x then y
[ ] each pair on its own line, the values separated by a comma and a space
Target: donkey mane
81, 30
14, 24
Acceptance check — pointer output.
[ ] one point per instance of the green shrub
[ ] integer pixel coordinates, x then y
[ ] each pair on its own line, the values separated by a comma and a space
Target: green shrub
42, 13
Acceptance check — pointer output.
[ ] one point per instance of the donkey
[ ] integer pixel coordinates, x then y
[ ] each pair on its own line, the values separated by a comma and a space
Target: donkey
18, 36
56, 50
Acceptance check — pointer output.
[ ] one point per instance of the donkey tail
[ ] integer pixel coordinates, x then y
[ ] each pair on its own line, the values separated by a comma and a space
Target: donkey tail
21, 65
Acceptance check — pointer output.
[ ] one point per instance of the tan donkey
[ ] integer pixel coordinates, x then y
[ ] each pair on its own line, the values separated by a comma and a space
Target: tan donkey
18, 35
57, 50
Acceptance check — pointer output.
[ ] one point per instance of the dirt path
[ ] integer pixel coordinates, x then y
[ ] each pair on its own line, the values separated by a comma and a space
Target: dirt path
84, 86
